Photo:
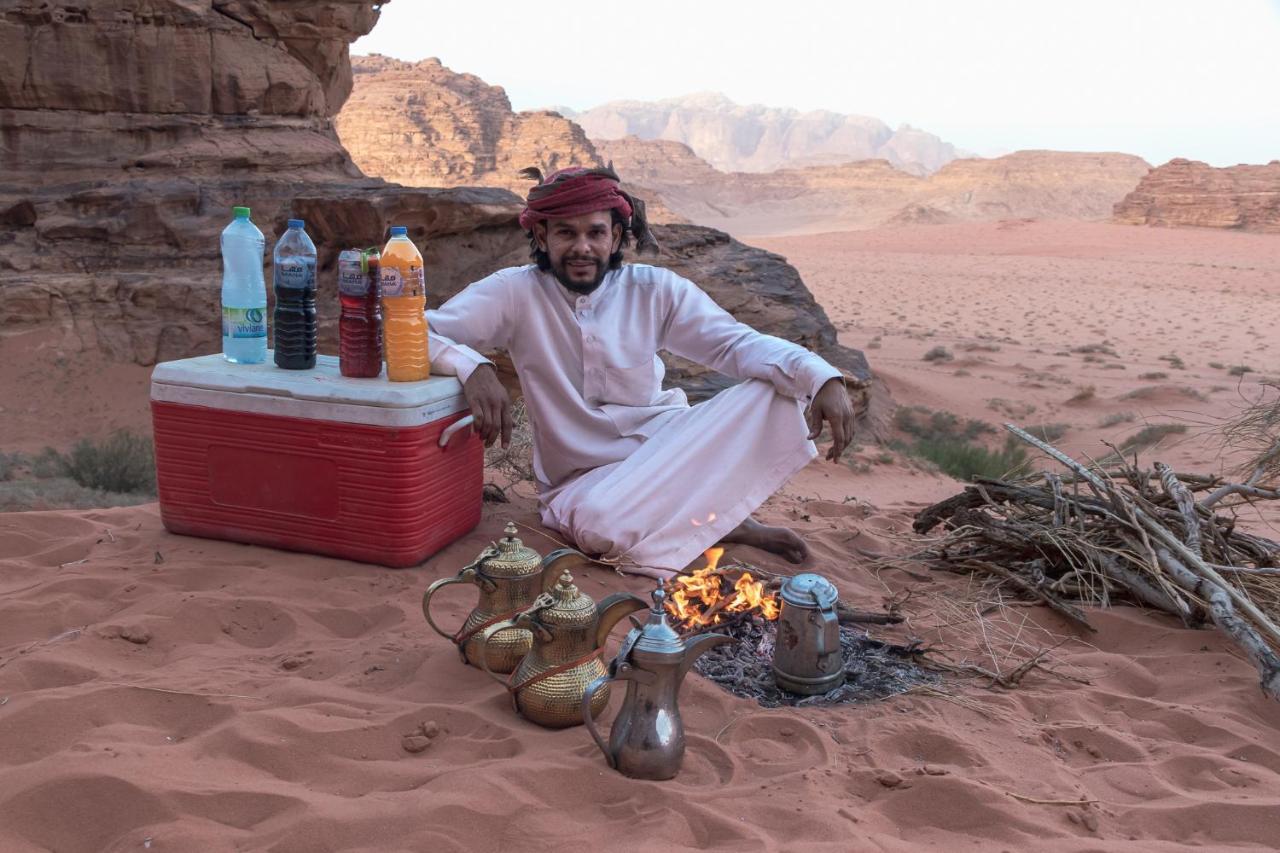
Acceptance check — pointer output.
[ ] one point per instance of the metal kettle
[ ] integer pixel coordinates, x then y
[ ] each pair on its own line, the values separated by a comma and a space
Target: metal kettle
807, 657
647, 738
510, 576
569, 633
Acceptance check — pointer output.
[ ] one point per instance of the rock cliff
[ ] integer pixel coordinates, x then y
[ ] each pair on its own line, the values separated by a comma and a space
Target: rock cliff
132, 126
1187, 192
737, 138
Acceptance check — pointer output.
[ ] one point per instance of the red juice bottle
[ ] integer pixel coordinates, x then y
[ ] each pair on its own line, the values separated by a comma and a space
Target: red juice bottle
360, 323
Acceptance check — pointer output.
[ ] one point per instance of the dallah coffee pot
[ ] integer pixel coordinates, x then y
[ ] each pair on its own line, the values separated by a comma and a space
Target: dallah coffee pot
569, 633
807, 658
647, 738
510, 576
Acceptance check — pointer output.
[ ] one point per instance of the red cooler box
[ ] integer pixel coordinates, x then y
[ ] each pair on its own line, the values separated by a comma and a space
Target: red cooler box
309, 460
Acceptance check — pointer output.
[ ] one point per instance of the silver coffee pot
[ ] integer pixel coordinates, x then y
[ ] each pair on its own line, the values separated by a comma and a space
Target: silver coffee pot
806, 656
647, 738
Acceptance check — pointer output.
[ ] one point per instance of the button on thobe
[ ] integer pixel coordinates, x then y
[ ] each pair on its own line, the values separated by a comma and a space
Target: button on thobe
593, 391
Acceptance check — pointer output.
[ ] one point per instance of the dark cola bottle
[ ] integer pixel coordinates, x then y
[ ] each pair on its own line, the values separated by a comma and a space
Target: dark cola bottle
294, 282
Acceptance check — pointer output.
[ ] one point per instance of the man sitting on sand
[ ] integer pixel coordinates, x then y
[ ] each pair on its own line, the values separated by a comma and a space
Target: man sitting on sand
626, 470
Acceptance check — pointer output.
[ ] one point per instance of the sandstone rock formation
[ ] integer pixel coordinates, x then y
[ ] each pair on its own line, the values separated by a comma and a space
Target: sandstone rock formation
129, 128
736, 138
1187, 192
421, 124
867, 193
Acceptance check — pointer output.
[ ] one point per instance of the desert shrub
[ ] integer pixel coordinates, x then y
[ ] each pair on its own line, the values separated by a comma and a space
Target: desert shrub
123, 462
1082, 395
1153, 376
965, 460
924, 423
1117, 418
1049, 433
1174, 361
516, 460
1240, 370
1151, 435
48, 463
1103, 348
1146, 392
1216, 365
8, 464
938, 353
1113, 366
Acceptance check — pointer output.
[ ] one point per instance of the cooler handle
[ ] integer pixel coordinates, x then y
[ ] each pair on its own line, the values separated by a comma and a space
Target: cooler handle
452, 429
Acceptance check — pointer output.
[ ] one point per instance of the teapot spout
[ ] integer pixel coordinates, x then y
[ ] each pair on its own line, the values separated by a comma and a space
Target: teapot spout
694, 649
612, 609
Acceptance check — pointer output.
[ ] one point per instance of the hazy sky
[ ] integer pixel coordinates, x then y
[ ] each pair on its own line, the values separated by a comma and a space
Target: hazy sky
1156, 78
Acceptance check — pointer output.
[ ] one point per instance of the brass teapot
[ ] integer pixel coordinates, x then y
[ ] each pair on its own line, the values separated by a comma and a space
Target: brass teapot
647, 738
569, 634
510, 576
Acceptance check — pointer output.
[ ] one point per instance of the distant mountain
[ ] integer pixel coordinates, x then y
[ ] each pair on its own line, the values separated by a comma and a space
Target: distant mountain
736, 138
1187, 192
868, 193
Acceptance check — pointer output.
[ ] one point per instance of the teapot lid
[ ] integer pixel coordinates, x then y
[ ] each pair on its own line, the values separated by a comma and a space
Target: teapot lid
565, 604
656, 635
810, 590
510, 558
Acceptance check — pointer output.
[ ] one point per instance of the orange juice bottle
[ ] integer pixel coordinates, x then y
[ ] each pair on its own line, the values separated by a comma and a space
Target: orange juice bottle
404, 326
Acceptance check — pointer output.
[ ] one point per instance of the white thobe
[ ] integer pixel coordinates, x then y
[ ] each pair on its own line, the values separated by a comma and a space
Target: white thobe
626, 469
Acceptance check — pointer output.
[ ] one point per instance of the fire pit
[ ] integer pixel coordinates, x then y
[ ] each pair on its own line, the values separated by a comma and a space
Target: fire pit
746, 609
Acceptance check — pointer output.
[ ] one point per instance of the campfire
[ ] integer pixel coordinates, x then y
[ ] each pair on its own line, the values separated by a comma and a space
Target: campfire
730, 600
708, 596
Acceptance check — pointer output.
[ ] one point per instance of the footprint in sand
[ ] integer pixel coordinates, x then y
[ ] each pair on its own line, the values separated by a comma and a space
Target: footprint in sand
82, 813
350, 624
775, 745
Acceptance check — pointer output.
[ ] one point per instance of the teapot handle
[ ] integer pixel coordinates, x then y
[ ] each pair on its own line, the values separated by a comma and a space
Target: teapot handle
489, 632
467, 575
590, 721
829, 621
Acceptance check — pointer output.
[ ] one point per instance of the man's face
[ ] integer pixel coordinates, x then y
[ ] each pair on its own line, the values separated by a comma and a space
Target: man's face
579, 248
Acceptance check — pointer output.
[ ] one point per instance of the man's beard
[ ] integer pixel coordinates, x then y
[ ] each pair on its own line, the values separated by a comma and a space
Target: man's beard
579, 287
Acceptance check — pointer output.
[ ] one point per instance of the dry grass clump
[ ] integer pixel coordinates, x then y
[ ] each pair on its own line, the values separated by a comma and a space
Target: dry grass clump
515, 460
1103, 348
1083, 395
1174, 361
1146, 392
117, 471
921, 422
939, 353
1153, 376
1256, 433
1240, 370
1151, 435
1117, 418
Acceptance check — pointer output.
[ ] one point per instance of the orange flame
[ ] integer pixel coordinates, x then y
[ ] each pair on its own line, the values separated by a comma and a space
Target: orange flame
701, 598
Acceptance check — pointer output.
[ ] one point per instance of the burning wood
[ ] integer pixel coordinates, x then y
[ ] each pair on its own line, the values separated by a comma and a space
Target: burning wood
708, 596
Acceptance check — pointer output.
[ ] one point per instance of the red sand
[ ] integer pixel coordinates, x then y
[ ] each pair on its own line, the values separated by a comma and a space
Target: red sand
198, 695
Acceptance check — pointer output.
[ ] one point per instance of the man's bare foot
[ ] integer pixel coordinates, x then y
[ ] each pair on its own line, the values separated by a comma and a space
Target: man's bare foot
782, 541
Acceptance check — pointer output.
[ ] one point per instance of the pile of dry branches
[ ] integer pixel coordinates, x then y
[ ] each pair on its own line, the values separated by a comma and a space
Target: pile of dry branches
1154, 537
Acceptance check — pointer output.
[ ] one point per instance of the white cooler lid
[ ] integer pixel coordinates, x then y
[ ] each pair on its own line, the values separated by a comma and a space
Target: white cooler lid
321, 393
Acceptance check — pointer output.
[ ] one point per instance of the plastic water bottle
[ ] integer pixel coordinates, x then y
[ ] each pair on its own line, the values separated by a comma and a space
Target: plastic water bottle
244, 293
404, 326
294, 281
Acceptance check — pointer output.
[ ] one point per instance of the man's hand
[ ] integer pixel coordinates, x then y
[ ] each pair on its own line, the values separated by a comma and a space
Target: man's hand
490, 405
831, 404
